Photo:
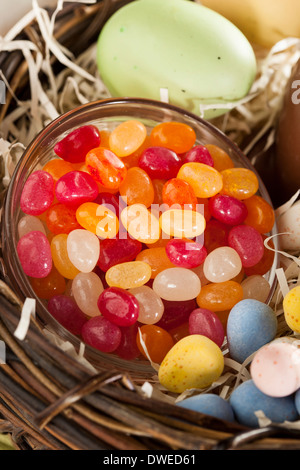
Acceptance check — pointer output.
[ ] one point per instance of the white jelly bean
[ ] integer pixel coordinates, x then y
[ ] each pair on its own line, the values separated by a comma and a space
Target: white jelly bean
151, 305
256, 287
86, 288
30, 223
222, 264
177, 284
83, 249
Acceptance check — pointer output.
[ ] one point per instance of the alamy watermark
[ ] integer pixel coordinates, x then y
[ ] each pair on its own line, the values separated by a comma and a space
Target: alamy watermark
2, 352
296, 93
2, 92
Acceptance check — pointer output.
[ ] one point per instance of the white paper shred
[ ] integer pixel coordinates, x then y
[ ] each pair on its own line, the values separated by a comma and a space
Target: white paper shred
28, 311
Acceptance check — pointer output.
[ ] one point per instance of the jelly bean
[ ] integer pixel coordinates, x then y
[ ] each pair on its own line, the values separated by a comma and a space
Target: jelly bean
220, 296
247, 399
127, 348
53, 284
186, 254
291, 308
176, 313
57, 168
97, 219
240, 183
38, 193
222, 264
261, 215
30, 223
256, 287
86, 288
227, 209
177, 191
101, 334
104, 137
221, 159
156, 340
173, 135
193, 362
127, 137
160, 162
137, 188
251, 324
83, 249
61, 258
179, 332
248, 243
158, 185
74, 147
215, 235
157, 259
177, 284
199, 272
61, 219
128, 275
141, 223
119, 306
133, 159
111, 201
266, 262
207, 323
203, 208
205, 180
115, 251
182, 223
75, 188
105, 167
67, 313
199, 154
151, 305
209, 404
35, 254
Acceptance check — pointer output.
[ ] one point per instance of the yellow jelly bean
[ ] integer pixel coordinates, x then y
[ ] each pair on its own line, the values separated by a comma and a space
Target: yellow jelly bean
205, 180
240, 183
141, 223
180, 223
193, 362
291, 308
128, 275
61, 258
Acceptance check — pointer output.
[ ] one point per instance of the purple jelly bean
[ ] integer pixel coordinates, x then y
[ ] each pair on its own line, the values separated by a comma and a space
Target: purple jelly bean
38, 193
101, 334
75, 188
65, 310
35, 254
160, 163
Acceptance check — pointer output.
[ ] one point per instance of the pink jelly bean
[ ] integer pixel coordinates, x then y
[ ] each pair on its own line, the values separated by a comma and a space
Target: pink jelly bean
38, 193
185, 254
119, 306
65, 310
160, 163
75, 188
35, 254
74, 147
199, 154
101, 334
176, 313
227, 209
248, 243
117, 250
127, 348
207, 323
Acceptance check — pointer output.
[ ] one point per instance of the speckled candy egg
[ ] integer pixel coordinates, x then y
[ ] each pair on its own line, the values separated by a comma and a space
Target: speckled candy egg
210, 404
251, 324
291, 308
193, 362
289, 225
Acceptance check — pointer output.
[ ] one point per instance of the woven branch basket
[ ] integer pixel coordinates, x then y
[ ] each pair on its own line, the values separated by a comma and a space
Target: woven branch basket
50, 401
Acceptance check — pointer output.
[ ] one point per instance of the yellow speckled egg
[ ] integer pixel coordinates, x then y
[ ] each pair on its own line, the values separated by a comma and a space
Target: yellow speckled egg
291, 308
193, 362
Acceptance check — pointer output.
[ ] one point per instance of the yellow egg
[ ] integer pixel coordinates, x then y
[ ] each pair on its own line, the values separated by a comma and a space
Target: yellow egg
193, 362
291, 308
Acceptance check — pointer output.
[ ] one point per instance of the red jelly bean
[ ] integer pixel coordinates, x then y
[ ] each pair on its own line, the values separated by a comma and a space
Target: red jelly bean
207, 323
111, 201
160, 163
186, 254
200, 154
215, 235
227, 209
105, 167
38, 193
65, 310
117, 250
35, 254
177, 191
248, 243
119, 306
75, 188
127, 348
61, 219
101, 334
176, 313
74, 147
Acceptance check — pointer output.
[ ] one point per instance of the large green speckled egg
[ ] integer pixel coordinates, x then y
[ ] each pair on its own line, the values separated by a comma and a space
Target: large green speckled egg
193, 52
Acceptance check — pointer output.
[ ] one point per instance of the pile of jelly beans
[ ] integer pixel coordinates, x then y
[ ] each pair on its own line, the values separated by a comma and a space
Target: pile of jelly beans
137, 238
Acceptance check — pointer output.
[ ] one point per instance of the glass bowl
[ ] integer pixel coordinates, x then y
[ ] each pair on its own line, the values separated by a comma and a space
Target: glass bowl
105, 114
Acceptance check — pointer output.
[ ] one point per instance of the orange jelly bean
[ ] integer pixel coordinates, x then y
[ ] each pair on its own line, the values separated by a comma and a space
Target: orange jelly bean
57, 168
261, 215
240, 183
220, 296
158, 342
221, 159
61, 258
127, 137
137, 188
133, 159
180, 192
105, 167
158, 186
98, 219
104, 138
61, 219
157, 258
173, 135
47, 287
205, 180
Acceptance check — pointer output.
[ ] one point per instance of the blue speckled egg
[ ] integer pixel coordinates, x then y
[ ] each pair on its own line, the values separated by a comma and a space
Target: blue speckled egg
297, 401
209, 404
246, 399
251, 324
